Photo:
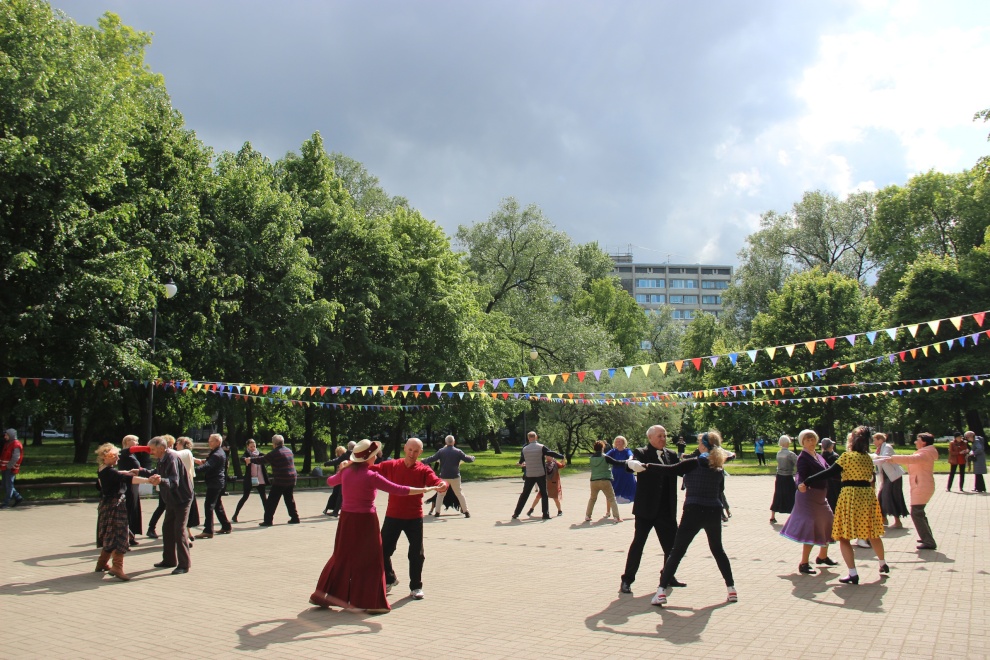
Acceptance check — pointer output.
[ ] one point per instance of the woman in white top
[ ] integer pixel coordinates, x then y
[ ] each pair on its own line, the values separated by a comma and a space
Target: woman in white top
184, 447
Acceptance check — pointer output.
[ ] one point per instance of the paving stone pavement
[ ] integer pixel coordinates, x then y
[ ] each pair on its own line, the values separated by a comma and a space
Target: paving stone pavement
495, 588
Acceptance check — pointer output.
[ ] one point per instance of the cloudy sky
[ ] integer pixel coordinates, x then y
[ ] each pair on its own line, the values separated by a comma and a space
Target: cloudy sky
663, 125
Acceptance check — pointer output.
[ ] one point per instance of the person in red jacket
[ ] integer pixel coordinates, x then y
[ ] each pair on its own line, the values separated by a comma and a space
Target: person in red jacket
10, 464
404, 514
958, 453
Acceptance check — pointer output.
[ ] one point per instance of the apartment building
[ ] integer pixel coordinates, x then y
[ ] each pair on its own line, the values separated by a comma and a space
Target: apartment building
689, 289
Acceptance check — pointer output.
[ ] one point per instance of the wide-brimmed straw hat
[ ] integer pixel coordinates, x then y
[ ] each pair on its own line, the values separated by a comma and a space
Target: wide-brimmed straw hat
364, 450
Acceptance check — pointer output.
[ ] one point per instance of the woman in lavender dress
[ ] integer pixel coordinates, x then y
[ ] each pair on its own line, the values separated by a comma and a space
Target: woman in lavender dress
810, 522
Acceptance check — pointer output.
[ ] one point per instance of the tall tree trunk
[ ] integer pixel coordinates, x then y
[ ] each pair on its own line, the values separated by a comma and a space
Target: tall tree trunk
81, 445
307, 443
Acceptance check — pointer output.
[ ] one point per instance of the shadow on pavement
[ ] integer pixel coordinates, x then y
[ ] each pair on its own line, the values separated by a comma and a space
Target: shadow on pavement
679, 625
310, 624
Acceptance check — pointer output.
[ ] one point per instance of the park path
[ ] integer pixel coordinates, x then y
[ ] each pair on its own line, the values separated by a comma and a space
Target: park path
495, 589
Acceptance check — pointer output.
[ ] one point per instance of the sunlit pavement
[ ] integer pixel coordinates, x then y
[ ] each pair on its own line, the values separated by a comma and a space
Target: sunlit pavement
495, 588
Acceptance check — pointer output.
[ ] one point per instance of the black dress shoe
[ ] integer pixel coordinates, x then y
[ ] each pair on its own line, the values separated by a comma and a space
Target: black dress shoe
922, 546
264, 524
294, 521
225, 531
675, 583
849, 579
180, 571
624, 587
806, 569
885, 569
828, 561
162, 564
151, 534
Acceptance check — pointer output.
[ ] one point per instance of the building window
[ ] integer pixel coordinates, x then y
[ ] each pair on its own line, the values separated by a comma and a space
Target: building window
650, 284
686, 314
683, 300
711, 300
641, 297
714, 284
645, 345
724, 271
625, 269
658, 298
683, 284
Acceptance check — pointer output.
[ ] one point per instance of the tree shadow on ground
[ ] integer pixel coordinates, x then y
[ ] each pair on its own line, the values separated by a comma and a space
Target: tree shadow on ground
678, 625
310, 624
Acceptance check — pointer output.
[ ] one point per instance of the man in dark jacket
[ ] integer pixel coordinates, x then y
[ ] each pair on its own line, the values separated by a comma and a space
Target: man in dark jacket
214, 469
283, 466
655, 504
177, 493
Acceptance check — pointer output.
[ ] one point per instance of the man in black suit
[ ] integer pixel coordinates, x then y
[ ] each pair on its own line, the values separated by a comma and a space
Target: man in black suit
177, 494
214, 469
655, 504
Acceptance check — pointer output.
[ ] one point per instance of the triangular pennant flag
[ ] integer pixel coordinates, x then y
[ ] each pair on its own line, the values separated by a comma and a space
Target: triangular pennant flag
581, 375
913, 329
552, 378
524, 379
957, 321
891, 332
872, 336
645, 368
771, 352
978, 317
536, 380
733, 358
663, 368
611, 373
810, 345
697, 363
752, 356
679, 364
830, 342
598, 374
714, 360
628, 371
851, 339
564, 377
790, 350
934, 326
511, 382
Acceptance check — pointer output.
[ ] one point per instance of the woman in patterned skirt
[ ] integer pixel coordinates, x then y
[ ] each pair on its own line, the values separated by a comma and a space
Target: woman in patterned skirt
857, 513
810, 523
111, 522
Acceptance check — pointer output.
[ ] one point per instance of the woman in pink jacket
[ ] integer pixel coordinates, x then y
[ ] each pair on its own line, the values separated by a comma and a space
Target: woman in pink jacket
921, 476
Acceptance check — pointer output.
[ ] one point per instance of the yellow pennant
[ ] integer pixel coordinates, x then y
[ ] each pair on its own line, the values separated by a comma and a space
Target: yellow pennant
772, 351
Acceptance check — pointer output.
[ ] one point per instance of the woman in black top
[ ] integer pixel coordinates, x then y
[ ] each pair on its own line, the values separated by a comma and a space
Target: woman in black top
111, 522
703, 481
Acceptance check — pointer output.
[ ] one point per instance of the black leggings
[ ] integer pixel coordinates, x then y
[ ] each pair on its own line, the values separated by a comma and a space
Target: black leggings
694, 519
952, 474
247, 493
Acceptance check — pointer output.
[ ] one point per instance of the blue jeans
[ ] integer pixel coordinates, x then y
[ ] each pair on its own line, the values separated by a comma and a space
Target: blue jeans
10, 494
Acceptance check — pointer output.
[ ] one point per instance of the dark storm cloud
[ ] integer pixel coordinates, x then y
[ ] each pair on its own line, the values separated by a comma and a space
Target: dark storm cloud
609, 116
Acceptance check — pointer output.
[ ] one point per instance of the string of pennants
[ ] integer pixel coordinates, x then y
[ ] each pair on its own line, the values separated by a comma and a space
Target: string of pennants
322, 404
477, 388
632, 401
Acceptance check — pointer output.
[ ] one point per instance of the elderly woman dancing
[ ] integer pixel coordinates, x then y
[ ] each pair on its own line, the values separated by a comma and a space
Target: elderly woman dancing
810, 523
111, 521
354, 577
783, 487
857, 513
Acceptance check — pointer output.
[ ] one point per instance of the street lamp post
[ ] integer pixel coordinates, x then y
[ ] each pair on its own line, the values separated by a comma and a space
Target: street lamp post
533, 354
170, 291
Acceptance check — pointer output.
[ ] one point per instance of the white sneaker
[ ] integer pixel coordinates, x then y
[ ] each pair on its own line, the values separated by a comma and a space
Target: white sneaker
863, 543
661, 596
389, 585
417, 594
733, 595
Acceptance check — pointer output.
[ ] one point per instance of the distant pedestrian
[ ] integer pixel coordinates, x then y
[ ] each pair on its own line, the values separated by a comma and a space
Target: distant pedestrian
333, 500
11, 456
783, 487
978, 455
761, 458
958, 453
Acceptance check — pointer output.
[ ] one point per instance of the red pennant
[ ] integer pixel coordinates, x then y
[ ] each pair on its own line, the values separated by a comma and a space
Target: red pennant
978, 317
697, 363
580, 376
830, 342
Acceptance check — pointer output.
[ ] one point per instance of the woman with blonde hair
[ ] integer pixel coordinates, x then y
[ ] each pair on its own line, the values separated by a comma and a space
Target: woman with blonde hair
810, 523
703, 482
111, 521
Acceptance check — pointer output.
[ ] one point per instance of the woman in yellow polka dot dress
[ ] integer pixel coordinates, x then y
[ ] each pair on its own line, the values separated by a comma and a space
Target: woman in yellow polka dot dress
857, 512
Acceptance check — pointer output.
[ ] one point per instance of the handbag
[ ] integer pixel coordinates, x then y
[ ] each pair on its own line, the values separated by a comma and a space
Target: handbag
254, 481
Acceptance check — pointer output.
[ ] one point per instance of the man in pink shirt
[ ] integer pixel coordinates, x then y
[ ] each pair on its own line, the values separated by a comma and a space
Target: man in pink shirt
405, 513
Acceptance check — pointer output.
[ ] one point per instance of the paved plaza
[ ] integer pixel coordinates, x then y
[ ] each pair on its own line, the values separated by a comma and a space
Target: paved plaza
495, 588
